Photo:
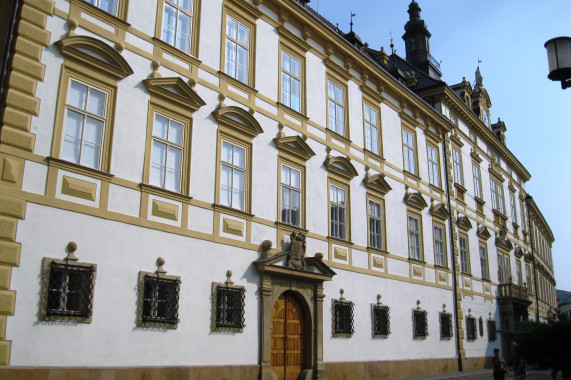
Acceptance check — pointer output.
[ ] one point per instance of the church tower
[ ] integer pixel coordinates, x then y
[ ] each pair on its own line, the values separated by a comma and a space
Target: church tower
417, 46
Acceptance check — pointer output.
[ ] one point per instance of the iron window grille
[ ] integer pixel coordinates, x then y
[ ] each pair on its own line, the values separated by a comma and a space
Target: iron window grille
69, 291
446, 327
471, 328
160, 300
420, 323
481, 326
381, 321
343, 318
229, 307
492, 332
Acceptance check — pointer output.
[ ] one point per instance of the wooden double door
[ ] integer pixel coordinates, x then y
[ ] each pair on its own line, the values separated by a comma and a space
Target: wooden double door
287, 337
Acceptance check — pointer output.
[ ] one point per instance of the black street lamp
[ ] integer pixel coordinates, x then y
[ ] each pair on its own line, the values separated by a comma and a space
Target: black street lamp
559, 60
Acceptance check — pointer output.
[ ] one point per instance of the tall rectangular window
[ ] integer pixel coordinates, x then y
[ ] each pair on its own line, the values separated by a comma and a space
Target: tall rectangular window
338, 212
439, 246
336, 108
528, 277
233, 176
291, 196
414, 241
477, 181
522, 216
484, 262
464, 255
518, 272
291, 81
504, 269
433, 166
409, 151
85, 120
237, 49
166, 161
457, 161
512, 208
109, 6
371, 130
177, 24
497, 196
375, 225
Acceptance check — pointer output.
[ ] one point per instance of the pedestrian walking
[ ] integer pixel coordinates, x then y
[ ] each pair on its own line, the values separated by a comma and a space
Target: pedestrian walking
521, 372
499, 366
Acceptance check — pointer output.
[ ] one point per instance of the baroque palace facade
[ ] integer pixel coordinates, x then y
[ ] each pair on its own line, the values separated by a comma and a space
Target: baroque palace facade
238, 189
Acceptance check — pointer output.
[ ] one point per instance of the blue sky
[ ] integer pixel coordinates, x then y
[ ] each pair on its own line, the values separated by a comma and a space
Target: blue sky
508, 37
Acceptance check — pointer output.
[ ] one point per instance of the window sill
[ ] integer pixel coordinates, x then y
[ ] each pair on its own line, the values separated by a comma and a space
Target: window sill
339, 241
236, 83
374, 156
232, 211
155, 190
465, 274
183, 56
442, 267
290, 227
331, 134
412, 176
436, 189
377, 251
416, 261
291, 112
100, 14
80, 169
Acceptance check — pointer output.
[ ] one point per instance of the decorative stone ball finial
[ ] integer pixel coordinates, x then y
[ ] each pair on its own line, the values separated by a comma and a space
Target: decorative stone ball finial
379, 299
470, 312
266, 246
71, 248
444, 307
490, 314
228, 278
342, 292
319, 255
418, 304
160, 263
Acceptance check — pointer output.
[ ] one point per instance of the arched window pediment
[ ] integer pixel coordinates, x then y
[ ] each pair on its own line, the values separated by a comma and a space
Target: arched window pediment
440, 211
415, 200
239, 119
378, 183
176, 90
341, 166
464, 223
95, 53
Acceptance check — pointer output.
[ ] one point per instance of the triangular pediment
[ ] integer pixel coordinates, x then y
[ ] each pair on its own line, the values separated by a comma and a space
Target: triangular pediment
483, 232
239, 119
415, 200
378, 183
175, 90
341, 166
519, 252
296, 146
504, 243
464, 223
439, 210
315, 269
96, 54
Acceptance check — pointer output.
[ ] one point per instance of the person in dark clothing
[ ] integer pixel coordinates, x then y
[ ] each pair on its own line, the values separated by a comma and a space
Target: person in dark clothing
499, 366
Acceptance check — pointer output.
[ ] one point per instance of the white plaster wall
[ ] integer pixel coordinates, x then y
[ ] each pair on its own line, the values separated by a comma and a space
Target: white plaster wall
392, 136
481, 346
264, 170
210, 33
363, 290
356, 116
317, 191
316, 96
267, 59
112, 338
145, 18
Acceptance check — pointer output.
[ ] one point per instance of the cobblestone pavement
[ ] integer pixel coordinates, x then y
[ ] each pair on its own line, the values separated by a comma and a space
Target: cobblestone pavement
485, 375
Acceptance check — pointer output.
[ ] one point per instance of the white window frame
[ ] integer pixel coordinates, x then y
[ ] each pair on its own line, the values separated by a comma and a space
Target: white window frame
477, 181
457, 163
464, 254
433, 166
513, 208
231, 64
409, 151
234, 168
85, 114
289, 77
497, 196
169, 145
97, 3
336, 209
376, 224
173, 38
484, 262
337, 107
439, 245
287, 189
371, 118
414, 228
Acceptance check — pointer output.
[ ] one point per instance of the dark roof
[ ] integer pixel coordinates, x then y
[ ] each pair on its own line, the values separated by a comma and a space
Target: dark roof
563, 297
424, 80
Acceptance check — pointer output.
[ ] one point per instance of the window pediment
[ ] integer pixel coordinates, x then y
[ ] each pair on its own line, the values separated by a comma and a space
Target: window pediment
95, 53
239, 119
518, 252
378, 183
415, 200
483, 232
296, 146
341, 166
440, 211
175, 89
464, 223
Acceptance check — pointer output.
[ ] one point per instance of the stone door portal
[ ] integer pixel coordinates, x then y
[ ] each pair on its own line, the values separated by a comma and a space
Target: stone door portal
287, 337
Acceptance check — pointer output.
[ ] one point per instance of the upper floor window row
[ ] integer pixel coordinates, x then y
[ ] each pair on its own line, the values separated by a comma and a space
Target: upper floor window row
177, 23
